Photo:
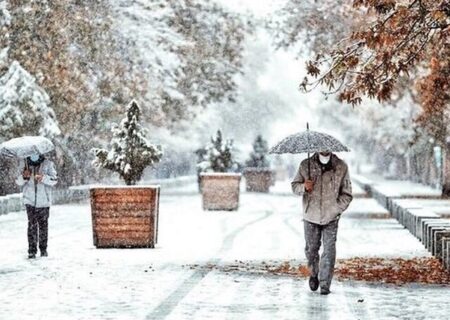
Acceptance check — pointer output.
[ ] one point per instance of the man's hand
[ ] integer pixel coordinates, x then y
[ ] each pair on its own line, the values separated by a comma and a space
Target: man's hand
39, 178
309, 185
26, 174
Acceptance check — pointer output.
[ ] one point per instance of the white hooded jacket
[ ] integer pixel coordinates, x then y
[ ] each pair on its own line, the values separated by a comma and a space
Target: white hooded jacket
38, 195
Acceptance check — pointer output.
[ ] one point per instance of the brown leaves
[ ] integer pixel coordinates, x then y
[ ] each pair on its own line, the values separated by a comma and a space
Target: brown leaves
396, 43
380, 270
380, 6
397, 271
434, 91
350, 97
312, 68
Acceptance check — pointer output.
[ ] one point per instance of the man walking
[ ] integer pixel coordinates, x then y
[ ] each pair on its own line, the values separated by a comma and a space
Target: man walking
325, 184
37, 178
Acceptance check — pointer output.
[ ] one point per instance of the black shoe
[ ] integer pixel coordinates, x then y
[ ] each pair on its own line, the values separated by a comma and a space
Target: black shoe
31, 256
324, 291
313, 283
44, 253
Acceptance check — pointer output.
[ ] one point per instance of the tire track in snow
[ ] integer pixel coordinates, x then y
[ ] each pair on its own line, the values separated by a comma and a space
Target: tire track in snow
171, 302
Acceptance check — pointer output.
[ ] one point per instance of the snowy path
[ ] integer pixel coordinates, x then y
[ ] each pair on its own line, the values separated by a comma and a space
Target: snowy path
78, 281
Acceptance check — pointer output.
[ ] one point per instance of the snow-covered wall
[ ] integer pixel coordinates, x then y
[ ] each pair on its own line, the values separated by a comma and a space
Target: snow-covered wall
13, 202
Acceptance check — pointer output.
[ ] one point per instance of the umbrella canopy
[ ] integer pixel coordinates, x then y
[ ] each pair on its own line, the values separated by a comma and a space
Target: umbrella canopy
309, 142
26, 146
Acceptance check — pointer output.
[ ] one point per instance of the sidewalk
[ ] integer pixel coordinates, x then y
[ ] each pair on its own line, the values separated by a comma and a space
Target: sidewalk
78, 281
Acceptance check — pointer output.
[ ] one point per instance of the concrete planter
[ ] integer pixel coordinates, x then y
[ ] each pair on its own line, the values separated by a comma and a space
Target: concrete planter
125, 217
258, 179
220, 191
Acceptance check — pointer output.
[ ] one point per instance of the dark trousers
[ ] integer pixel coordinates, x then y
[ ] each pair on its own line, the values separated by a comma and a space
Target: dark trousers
37, 228
322, 267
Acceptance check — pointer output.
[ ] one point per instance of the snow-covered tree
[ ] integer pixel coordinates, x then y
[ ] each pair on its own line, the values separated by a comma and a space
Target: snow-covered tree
5, 21
92, 56
375, 49
67, 45
24, 106
5, 16
130, 152
219, 155
258, 157
311, 25
195, 53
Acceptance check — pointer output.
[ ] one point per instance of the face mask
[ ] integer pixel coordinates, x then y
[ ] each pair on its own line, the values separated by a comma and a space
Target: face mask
324, 159
34, 157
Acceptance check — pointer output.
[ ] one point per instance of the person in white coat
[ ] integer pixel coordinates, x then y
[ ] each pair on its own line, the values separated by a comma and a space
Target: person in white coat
36, 180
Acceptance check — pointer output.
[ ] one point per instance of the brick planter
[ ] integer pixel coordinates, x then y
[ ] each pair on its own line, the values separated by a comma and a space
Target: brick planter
258, 180
125, 217
220, 191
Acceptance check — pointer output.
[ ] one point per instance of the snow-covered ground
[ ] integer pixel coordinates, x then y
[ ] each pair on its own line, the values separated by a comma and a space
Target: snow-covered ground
78, 281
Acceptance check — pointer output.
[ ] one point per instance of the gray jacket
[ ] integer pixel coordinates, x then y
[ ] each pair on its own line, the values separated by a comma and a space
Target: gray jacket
332, 191
42, 198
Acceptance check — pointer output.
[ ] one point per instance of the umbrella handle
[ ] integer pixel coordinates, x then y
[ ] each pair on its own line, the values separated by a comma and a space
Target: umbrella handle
309, 167
309, 159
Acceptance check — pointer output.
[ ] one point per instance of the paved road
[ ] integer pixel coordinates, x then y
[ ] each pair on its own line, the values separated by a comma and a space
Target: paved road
78, 281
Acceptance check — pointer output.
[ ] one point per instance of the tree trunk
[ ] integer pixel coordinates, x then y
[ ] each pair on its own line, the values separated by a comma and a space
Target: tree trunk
408, 169
424, 169
446, 171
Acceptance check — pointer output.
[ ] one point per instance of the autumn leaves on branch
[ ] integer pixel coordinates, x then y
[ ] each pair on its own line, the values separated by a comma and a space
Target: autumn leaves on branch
397, 40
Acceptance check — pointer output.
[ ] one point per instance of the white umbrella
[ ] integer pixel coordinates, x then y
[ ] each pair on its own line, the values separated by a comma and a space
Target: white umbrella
26, 146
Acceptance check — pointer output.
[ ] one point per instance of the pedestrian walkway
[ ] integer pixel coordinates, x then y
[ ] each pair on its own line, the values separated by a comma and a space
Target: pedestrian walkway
78, 281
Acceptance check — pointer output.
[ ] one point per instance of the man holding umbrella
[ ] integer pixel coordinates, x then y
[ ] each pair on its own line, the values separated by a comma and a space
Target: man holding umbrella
324, 182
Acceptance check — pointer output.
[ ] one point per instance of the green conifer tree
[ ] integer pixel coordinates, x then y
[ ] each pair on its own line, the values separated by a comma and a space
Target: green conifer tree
219, 155
258, 157
131, 152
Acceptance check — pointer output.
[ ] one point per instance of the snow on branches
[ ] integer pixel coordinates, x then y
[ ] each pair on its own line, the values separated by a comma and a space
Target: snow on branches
24, 106
218, 155
5, 16
130, 152
399, 36
196, 51
375, 48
